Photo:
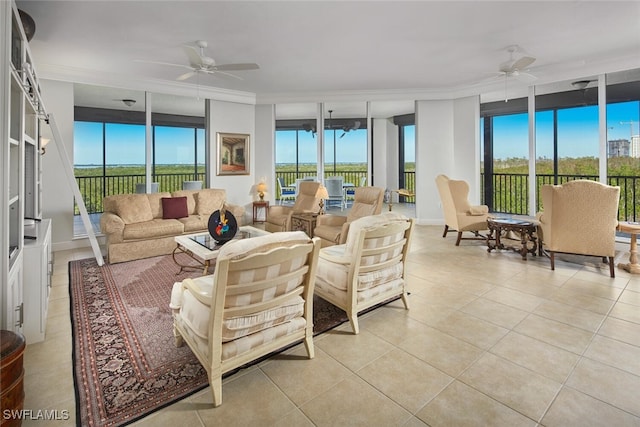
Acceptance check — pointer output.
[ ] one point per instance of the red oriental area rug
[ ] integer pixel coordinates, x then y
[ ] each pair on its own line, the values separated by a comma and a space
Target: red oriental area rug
126, 365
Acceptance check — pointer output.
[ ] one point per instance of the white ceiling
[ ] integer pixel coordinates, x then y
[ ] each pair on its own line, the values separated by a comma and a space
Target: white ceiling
312, 50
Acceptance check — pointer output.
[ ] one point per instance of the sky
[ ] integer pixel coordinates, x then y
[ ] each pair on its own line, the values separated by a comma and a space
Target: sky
126, 144
577, 131
577, 135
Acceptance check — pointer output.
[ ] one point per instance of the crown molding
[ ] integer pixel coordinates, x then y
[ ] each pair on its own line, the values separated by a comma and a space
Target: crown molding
77, 75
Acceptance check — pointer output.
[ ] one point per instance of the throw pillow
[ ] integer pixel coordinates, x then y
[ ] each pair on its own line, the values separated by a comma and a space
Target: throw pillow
174, 207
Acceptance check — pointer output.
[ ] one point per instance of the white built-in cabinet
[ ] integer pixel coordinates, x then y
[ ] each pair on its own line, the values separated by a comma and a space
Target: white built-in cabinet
38, 259
20, 170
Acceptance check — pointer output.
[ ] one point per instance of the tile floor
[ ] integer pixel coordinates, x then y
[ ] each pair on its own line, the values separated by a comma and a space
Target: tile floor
489, 340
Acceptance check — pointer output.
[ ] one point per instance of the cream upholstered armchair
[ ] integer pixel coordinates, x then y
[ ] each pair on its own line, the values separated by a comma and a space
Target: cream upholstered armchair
459, 214
369, 268
279, 217
333, 229
579, 217
259, 300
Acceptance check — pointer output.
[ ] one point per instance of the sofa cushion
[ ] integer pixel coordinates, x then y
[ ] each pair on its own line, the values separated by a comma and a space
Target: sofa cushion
209, 200
133, 208
155, 200
195, 223
174, 207
154, 228
191, 199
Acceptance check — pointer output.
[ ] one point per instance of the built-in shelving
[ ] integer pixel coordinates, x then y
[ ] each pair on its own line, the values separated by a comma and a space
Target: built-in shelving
20, 169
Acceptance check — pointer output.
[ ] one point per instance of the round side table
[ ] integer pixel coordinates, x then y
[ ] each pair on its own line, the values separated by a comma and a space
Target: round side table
633, 228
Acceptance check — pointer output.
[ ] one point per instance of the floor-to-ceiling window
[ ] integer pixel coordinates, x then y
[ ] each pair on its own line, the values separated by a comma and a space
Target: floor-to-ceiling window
110, 150
623, 141
567, 143
407, 157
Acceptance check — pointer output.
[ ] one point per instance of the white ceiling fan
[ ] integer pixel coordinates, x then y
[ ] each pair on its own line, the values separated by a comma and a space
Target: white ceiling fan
200, 63
516, 67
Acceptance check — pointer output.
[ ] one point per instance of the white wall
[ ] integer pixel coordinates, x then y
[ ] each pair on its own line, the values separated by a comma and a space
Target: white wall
231, 117
57, 197
265, 156
447, 142
466, 144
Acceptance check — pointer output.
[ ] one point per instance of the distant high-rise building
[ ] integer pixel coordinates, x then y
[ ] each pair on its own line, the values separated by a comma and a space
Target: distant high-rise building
635, 146
618, 148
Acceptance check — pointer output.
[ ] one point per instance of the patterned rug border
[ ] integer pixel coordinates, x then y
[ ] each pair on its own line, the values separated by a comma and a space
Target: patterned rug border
330, 318
76, 265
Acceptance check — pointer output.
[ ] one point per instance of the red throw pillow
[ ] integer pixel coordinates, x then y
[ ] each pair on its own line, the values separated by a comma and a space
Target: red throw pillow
174, 207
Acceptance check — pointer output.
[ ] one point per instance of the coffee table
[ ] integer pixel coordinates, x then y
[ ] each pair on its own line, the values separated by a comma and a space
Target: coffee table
501, 228
204, 249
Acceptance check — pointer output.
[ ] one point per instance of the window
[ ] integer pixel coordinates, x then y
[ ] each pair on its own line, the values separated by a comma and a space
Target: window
110, 155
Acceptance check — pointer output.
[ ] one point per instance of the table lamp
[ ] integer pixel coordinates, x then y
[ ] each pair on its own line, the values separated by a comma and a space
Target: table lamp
322, 194
261, 188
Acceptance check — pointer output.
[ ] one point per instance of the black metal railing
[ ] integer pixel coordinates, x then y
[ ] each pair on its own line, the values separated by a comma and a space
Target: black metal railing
95, 188
511, 192
354, 177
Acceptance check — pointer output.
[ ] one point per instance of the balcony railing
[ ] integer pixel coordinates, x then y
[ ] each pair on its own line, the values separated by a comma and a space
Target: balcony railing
353, 177
510, 191
95, 188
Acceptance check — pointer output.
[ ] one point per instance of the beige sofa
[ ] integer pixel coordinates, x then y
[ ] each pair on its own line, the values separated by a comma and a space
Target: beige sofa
135, 227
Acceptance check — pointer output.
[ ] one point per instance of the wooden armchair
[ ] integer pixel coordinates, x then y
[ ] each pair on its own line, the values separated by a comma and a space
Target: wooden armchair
459, 214
279, 217
579, 217
259, 300
369, 268
333, 229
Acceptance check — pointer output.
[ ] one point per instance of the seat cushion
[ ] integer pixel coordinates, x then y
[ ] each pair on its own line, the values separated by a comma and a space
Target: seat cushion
336, 275
194, 223
196, 314
153, 228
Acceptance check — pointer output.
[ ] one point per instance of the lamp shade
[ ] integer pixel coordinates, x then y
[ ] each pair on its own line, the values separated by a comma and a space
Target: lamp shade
322, 193
261, 187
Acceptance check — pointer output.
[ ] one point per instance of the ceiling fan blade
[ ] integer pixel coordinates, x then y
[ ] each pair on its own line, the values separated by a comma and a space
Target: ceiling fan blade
163, 63
185, 76
194, 56
222, 73
236, 67
522, 63
525, 77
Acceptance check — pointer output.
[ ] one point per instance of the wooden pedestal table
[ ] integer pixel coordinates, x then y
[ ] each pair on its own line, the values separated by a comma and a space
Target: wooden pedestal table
633, 228
526, 230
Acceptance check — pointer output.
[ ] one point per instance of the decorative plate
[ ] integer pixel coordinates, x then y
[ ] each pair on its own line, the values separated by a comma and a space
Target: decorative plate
222, 226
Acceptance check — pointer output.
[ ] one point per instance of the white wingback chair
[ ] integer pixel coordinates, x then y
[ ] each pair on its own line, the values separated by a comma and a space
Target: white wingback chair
259, 299
459, 214
580, 217
369, 268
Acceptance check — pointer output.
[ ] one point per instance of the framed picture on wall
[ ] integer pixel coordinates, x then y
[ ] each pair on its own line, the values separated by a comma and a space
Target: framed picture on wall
233, 153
